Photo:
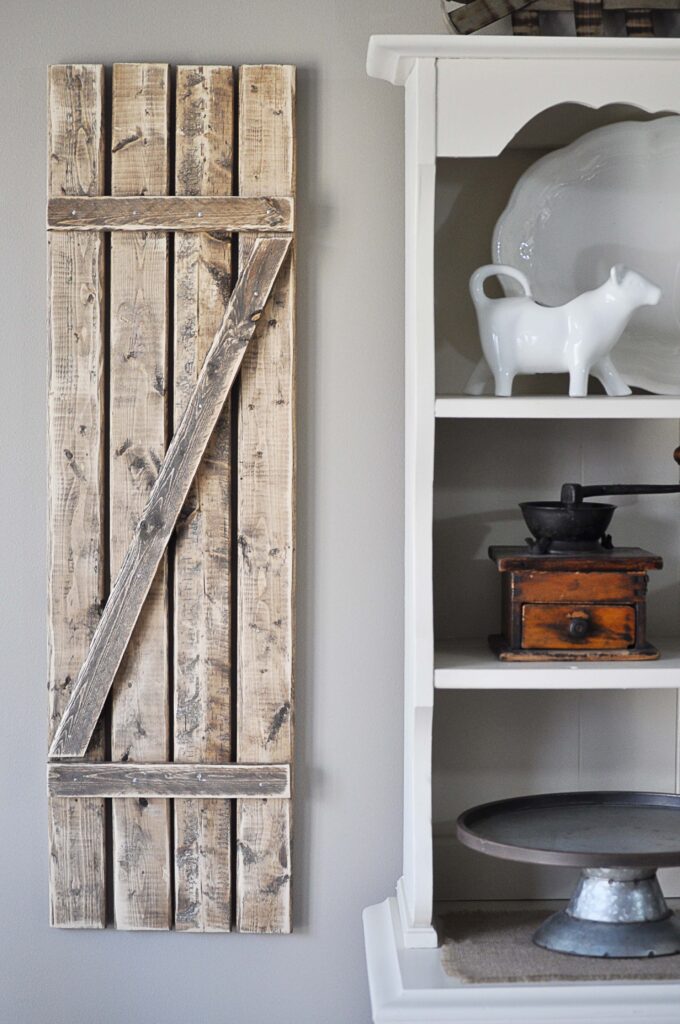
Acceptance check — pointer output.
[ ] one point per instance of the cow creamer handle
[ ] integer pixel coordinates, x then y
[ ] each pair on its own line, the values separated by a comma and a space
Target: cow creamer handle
519, 336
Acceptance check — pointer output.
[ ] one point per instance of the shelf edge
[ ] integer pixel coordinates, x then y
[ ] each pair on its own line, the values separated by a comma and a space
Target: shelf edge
558, 407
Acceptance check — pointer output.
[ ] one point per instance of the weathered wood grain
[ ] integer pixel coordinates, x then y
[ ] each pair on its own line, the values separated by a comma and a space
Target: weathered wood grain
76, 542
167, 497
607, 5
588, 17
526, 23
557, 587
180, 781
263, 866
509, 558
173, 213
639, 22
479, 13
140, 712
129, 646
203, 541
266, 519
549, 626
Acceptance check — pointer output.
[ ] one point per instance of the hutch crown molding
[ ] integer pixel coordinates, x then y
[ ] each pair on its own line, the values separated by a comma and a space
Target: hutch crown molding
467, 97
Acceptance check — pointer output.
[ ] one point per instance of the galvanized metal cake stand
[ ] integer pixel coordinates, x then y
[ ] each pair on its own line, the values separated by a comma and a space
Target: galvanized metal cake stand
619, 840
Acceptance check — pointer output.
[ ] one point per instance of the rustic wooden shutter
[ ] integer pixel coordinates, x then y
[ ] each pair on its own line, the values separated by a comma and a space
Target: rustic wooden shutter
171, 516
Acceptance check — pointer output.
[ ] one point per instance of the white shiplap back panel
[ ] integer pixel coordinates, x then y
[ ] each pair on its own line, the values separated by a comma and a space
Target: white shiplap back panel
642, 452
628, 741
494, 744
471, 195
483, 469
491, 745
488, 746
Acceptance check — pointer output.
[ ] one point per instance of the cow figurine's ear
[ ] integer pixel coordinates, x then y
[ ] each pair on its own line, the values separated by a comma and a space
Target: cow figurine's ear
618, 272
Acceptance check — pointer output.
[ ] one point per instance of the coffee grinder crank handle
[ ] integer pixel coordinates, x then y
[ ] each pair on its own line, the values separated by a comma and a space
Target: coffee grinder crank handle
573, 494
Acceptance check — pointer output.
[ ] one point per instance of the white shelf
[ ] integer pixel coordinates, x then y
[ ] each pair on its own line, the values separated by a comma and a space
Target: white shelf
471, 665
557, 407
410, 986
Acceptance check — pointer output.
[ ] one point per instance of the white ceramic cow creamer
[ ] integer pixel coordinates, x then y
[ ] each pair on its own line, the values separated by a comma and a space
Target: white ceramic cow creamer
519, 335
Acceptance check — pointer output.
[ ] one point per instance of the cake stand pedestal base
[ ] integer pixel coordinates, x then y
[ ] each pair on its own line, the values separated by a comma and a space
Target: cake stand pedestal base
614, 912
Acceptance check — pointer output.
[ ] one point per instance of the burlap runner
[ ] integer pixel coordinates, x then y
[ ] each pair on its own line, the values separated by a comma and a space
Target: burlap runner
486, 945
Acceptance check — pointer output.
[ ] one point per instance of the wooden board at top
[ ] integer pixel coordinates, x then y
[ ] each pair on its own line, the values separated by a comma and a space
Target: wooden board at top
76, 546
140, 713
266, 519
203, 542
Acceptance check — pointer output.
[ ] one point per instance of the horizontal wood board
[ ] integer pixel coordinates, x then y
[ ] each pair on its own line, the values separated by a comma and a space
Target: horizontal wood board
212, 781
149, 677
174, 213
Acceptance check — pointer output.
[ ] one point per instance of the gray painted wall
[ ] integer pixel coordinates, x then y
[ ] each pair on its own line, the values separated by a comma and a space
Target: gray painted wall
348, 830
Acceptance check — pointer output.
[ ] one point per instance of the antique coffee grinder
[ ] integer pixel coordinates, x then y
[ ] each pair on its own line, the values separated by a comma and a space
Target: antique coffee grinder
569, 594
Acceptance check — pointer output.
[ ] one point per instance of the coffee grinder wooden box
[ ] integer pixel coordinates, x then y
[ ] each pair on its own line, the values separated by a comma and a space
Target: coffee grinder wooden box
574, 607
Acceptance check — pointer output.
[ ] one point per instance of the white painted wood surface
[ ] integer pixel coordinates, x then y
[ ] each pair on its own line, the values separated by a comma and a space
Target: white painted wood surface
548, 407
483, 469
489, 746
415, 888
409, 986
392, 57
468, 664
483, 127
578, 737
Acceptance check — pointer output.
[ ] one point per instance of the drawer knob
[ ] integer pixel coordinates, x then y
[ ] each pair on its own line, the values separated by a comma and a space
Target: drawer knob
579, 627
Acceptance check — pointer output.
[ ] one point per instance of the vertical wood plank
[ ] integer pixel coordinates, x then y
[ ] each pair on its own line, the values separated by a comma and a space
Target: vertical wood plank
76, 544
138, 429
202, 567
639, 22
588, 17
526, 23
266, 551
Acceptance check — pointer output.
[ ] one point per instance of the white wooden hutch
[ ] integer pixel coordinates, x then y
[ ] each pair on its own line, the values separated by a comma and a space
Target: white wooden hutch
477, 110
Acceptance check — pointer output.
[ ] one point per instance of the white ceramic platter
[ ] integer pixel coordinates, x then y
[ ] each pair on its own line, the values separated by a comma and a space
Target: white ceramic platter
613, 196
